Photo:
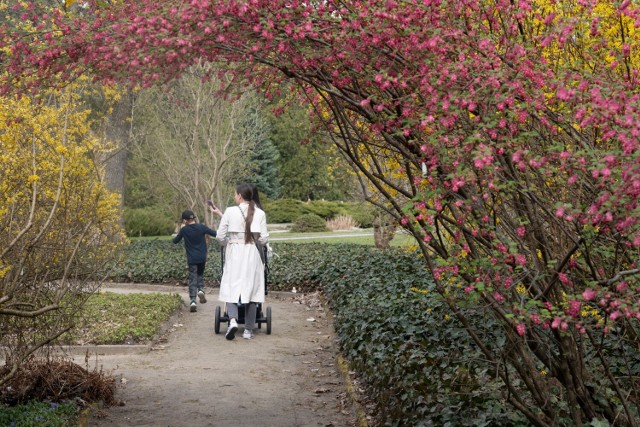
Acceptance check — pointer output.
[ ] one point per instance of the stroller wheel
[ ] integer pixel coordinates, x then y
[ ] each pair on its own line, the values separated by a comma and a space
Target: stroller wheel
268, 320
217, 320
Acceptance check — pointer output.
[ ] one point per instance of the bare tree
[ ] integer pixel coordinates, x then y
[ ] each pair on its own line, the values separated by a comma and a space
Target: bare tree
197, 135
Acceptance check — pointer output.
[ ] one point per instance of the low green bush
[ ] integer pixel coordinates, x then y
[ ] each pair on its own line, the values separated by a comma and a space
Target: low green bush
283, 211
309, 223
361, 213
288, 210
160, 261
38, 414
324, 208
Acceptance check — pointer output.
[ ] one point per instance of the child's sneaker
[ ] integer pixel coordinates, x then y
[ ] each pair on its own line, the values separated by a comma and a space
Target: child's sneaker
231, 331
193, 307
247, 334
203, 299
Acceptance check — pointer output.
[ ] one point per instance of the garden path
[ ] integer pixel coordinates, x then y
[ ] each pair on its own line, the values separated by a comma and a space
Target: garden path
194, 377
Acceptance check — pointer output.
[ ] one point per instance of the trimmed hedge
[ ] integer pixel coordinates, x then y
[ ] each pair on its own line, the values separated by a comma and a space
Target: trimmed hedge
417, 364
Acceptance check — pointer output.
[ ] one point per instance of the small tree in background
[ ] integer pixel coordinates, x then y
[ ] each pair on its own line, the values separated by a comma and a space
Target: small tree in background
194, 138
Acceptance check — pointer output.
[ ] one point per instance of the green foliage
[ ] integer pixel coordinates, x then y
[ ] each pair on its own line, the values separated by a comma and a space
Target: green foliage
150, 221
432, 369
38, 414
325, 209
308, 168
111, 318
283, 210
265, 176
309, 223
288, 210
160, 261
362, 213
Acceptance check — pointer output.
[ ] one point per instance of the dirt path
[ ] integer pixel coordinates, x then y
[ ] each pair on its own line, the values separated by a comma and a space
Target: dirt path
194, 377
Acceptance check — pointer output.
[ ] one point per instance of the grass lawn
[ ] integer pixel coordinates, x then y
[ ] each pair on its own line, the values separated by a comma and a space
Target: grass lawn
359, 237
107, 318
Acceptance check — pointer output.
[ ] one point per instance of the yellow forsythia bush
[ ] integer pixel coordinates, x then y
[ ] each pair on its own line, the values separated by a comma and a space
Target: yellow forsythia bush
58, 223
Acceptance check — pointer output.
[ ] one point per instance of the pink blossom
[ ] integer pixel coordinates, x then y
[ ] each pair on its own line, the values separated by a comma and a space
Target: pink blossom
563, 278
621, 286
588, 294
565, 94
574, 308
520, 328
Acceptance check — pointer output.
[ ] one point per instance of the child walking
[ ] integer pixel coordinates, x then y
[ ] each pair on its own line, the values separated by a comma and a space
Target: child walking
195, 245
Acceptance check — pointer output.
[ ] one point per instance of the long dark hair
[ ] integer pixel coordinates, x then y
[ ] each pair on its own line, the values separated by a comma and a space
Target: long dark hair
246, 192
255, 196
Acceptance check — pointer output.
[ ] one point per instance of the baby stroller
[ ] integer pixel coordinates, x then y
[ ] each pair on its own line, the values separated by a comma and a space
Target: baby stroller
260, 316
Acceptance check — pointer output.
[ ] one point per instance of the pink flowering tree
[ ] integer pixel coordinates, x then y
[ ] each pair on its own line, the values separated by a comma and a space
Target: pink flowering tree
502, 134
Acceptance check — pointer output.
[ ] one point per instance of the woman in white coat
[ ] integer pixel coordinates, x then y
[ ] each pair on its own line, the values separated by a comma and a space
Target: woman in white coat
243, 279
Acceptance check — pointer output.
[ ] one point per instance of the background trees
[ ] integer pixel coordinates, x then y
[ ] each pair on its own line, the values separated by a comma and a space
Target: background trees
198, 137
310, 167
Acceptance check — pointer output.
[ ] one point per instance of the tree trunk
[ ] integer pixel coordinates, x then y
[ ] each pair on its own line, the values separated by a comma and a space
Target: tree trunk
383, 232
117, 131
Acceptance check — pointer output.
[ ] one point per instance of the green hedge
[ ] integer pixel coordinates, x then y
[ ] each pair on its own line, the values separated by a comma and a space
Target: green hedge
160, 261
416, 363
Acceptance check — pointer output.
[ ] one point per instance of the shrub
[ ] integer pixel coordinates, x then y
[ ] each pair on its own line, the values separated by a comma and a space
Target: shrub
283, 210
35, 413
323, 208
309, 223
362, 213
341, 222
149, 221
